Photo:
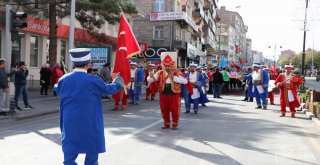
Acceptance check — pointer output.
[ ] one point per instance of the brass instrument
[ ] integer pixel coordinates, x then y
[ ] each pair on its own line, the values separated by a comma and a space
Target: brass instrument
239, 77
63, 66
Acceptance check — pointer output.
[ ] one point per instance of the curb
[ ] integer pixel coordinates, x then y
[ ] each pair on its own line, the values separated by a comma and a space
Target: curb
311, 116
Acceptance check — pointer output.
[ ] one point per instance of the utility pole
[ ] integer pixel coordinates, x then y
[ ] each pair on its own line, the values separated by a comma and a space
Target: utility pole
71, 32
304, 38
8, 47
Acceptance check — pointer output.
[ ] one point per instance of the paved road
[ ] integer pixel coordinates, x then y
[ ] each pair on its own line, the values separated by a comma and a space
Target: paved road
312, 83
227, 132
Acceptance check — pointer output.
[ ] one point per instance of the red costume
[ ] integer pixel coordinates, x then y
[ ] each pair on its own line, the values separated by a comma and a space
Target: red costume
271, 94
288, 83
120, 96
169, 87
148, 89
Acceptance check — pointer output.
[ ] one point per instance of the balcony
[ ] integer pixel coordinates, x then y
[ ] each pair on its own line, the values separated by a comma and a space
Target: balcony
198, 12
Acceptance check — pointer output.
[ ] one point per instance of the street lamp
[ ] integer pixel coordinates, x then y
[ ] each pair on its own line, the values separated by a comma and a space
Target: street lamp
275, 53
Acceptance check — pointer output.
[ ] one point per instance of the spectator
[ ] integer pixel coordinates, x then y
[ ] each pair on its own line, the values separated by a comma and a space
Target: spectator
4, 88
217, 83
56, 73
45, 75
20, 85
105, 73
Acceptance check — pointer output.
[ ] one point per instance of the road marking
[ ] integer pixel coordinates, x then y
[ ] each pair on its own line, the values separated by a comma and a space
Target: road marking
134, 133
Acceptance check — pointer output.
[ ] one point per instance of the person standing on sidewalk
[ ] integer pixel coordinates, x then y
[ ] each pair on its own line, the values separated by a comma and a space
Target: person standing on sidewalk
56, 73
169, 81
226, 80
81, 117
20, 83
4, 88
45, 75
287, 83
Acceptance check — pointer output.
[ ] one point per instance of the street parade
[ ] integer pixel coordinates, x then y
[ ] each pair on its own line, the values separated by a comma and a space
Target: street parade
159, 82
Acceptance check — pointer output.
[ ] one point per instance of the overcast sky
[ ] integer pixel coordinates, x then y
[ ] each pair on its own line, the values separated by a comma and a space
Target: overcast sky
278, 22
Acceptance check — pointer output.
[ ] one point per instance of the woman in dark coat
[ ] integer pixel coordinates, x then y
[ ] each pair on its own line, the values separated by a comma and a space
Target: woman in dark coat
45, 75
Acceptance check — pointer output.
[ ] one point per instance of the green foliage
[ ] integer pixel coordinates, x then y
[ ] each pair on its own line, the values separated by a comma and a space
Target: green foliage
91, 14
297, 59
305, 95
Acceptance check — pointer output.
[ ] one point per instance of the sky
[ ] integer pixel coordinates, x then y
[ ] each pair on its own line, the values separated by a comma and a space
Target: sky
278, 23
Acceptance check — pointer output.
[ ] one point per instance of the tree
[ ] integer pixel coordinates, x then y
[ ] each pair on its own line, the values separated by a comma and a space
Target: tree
284, 60
91, 14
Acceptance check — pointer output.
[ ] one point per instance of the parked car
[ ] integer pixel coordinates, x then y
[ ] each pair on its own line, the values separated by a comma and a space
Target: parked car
317, 77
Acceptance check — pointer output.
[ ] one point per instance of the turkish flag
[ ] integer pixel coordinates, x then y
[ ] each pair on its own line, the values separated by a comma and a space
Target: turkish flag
274, 70
127, 46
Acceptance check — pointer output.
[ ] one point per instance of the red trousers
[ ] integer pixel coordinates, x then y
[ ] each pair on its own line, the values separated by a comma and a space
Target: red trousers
170, 104
291, 107
120, 96
271, 97
148, 93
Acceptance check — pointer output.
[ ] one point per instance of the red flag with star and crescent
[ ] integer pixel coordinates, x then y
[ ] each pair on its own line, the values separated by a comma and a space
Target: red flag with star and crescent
274, 70
127, 46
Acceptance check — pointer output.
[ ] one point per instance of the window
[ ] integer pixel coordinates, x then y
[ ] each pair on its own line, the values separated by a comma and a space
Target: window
34, 51
158, 32
178, 34
63, 50
159, 6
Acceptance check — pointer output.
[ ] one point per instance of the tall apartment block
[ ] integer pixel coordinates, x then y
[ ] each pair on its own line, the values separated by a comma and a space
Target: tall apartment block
185, 26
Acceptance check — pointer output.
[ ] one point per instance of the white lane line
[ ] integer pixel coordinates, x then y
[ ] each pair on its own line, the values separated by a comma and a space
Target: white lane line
134, 133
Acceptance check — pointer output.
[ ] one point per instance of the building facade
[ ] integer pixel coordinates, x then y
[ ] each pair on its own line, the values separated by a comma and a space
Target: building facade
32, 46
232, 39
185, 26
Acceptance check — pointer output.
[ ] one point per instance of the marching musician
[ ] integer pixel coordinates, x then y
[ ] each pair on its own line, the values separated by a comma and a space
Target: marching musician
194, 79
81, 118
249, 88
260, 79
270, 92
147, 71
169, 81
287, 83
203, 93
136, 83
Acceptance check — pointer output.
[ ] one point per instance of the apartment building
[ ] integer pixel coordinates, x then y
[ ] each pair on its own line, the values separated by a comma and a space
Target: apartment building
185, 26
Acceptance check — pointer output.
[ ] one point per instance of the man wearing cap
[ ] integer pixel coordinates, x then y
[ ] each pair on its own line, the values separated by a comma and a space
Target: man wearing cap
260, 79
81, 118
135, 84
287, 83
194, 79
203, 93
148, 70
169, 81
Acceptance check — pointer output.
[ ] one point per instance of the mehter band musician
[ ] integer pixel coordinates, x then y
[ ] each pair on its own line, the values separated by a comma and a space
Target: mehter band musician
169, 81
287, 83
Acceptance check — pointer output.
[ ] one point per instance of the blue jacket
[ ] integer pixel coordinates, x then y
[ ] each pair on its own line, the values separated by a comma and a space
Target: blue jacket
248, 79
81, 119
20, 77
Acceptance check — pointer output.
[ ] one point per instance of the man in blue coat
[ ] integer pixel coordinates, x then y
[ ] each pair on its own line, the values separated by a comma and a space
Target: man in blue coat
81, 119
137, 77
260, 79
249, 88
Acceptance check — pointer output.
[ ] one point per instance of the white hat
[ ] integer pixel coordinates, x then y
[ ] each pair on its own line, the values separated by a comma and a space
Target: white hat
266, 68
80, 56
288, 66
193, 64
152, 65
256, 66
199, 67
133, 63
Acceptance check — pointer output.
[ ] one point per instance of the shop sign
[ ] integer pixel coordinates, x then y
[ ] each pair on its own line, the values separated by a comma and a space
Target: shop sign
99, 56
168, 16
155, 52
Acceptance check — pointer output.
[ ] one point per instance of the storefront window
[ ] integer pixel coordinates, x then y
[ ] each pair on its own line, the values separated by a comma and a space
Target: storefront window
34, 51
63, 50
16, 52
